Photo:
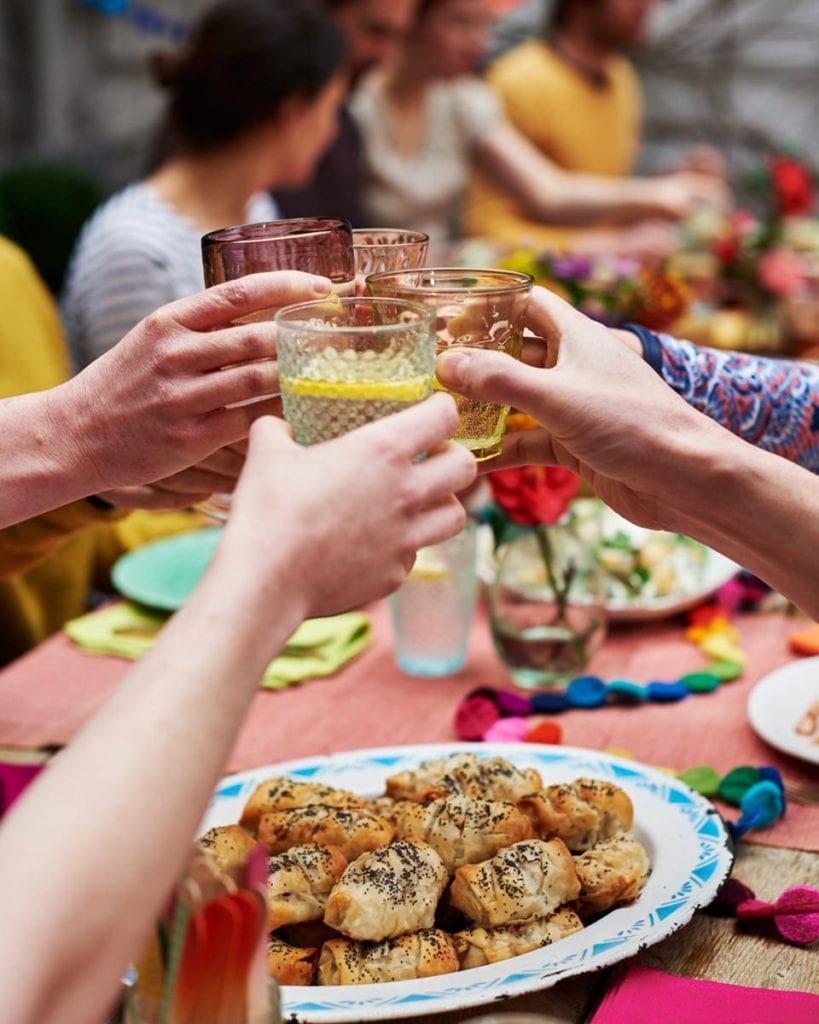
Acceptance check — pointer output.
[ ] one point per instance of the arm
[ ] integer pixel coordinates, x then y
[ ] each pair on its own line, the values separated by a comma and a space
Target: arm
154, 405
88, 856
551, 194
770, 402
606, 415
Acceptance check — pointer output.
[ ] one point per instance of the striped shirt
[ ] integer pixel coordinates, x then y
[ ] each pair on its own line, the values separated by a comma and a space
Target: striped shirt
136, 253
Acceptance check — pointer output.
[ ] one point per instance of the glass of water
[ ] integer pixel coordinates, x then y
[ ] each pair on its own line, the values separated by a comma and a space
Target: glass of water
432, 610
345, 362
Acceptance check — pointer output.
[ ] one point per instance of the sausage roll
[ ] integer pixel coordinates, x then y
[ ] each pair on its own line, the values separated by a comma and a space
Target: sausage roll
478, 946
355, 830
299, 882
523, 882
226, 846
387, 893
613, 871
485, 778
290, 965
462, 830
280, 794
581, 813
422, 955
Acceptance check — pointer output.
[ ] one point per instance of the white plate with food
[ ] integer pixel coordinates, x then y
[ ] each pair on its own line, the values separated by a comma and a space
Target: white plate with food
684, 838
783, 709
649, 574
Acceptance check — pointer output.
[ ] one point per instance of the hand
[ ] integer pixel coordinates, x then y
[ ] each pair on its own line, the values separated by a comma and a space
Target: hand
216, 474
605, 414
348, 515
160, 400
681, 192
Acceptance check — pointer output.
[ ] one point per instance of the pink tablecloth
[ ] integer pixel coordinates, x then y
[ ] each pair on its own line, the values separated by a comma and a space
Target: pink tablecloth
47, 695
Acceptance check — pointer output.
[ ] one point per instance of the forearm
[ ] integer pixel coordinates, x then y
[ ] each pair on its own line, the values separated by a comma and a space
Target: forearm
755, 507
43, 465
145, 767
769, 402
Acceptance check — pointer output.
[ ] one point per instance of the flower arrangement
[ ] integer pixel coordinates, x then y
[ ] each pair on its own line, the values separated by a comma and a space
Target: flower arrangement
546, 604
611, 290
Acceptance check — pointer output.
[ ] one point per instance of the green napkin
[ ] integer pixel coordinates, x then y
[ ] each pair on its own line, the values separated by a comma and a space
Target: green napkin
319, 647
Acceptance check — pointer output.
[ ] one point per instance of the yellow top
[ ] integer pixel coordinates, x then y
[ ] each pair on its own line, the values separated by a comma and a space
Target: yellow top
48, 564
577, 125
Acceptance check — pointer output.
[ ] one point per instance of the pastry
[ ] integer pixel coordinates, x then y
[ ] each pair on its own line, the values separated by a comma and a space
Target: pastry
290, 965
462, 830
581, 813
421, 955
355, 830
227, 846
280, 794
387, 893
478, 946
485, 778
523, 882
613, 871
299, 882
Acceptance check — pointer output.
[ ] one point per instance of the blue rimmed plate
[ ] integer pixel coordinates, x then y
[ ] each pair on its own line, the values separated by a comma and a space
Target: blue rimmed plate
684, 836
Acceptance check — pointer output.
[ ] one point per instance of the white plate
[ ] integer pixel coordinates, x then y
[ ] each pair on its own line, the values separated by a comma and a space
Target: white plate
684, 836
779, 700
704, 579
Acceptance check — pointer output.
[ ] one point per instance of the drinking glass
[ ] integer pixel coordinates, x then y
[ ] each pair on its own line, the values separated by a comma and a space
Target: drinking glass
474, 308
345, 362
433, 608
317, 245
377, 250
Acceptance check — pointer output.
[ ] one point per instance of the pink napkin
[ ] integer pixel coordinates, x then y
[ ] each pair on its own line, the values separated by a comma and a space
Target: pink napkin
13, 780
642, 995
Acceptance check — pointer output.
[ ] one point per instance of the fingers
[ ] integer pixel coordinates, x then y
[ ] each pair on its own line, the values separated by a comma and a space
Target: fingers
196, 481
231, 345
229, 426
153, 499
451, 469
440, 523
227, 461
523, 448
220, 305
494, 377
244, 383
414, 431
549, 316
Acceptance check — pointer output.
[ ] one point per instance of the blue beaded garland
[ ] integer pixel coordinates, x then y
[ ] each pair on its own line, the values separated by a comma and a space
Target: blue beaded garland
586, 692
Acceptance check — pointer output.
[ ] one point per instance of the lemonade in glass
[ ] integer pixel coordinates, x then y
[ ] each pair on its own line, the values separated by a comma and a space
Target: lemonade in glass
344, 362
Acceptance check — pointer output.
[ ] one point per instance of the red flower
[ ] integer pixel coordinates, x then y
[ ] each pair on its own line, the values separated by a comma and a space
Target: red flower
781, 271
793, 187
530, 495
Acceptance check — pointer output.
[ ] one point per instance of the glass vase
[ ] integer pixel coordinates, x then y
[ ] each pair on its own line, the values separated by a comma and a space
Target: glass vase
546, 606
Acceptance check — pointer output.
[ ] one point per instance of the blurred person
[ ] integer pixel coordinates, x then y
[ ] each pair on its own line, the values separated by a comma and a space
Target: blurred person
374, 31
90, 853
574, 94
605, 414
254, 97
117, 412
426, 121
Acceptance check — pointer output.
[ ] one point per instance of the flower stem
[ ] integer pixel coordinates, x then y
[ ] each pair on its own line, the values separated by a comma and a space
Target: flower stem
544, 543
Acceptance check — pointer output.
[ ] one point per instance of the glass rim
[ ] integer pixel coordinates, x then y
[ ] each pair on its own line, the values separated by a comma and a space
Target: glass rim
517, 280
425, 315
410, 237
268, 230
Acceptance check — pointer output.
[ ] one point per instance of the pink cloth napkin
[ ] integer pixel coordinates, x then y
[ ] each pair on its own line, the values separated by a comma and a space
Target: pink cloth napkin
643, 995
13, 780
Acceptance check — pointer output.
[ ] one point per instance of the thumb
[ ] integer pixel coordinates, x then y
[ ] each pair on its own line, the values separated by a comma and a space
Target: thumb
494, 377
268, 430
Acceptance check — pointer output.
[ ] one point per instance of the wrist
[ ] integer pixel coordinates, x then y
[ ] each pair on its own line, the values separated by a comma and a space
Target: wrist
73, 437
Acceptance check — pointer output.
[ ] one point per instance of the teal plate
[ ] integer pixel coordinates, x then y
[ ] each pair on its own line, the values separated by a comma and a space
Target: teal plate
163, 574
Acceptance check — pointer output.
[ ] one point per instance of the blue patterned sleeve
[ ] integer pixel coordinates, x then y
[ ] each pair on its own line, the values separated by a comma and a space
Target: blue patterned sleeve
773, 403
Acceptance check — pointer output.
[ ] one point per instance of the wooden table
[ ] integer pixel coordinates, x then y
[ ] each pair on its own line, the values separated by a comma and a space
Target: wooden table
45, 697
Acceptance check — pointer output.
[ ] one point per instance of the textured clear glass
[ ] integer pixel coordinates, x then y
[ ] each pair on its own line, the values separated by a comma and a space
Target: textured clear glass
475, 308
316, 245
377, 250
432, 610
345, 362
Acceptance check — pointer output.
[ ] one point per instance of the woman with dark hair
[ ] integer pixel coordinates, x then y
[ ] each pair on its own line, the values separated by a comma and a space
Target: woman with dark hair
427, 122
254, 97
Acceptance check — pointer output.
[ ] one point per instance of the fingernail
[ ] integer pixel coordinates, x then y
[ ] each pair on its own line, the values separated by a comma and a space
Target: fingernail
453, 363
321, 285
